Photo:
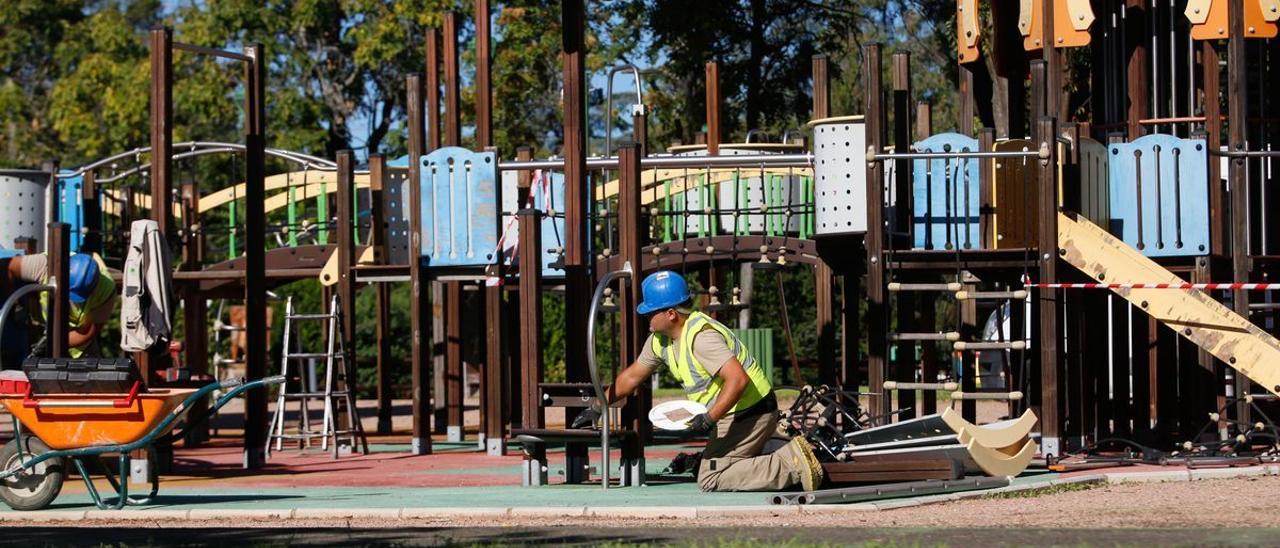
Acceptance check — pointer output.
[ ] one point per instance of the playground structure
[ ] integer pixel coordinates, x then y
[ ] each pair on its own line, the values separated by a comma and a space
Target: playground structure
1028, 220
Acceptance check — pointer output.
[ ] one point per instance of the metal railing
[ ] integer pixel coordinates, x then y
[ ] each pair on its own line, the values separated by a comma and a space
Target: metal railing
625, 273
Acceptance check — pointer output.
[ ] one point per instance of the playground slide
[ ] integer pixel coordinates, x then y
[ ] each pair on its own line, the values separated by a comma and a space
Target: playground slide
1193, 314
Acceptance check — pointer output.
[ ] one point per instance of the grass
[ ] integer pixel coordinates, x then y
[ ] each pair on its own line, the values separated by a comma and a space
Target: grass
1048, 490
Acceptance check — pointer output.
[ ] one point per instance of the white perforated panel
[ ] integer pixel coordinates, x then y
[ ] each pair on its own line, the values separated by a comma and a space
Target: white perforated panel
840, 173
22, 206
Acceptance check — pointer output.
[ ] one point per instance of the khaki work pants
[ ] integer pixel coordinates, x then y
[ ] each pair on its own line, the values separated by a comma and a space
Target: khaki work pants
732, 460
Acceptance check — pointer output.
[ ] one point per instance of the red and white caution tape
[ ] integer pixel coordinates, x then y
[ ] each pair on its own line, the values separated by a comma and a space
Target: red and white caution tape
1183, 286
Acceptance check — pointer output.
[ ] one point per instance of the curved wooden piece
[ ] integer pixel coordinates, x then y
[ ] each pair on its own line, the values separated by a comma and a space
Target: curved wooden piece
997, 435
1256, 23
968, 32
996, 462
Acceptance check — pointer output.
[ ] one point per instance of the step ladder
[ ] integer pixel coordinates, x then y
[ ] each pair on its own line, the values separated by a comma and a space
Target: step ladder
336, 397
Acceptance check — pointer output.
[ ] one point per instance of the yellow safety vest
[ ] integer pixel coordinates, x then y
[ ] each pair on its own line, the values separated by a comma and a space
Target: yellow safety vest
700, 385
78, 314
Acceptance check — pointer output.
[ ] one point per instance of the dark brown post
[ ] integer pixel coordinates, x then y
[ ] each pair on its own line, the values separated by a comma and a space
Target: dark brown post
433, 89
713, 108
54, 204
1054, 104
986, 201
577, 258
964, 123
876, 310
1039, 90
1135, 32
1213, 139
494, 415
1237, 114
255, 282
532, 415
92, 209
382, 312
904, 362
821, 87
419, 308
484, 100
162, 129
1050, 306
631, 235
452, 114
194, 310
924, 120
346, 251
58, 236
453, 368
824, 276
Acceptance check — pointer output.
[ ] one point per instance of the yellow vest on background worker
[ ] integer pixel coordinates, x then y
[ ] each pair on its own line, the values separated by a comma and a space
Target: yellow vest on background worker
699, 384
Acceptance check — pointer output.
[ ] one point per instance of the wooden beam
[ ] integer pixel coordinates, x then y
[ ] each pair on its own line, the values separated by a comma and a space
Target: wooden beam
255, 293
433, 90
484, 92
713, 108
1237, 113
452, 87
382, 306
58, 246
1049, 304
877, 326
419, 307
161, 40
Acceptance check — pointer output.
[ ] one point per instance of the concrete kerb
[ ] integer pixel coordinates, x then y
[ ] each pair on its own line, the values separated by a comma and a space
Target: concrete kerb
615, 512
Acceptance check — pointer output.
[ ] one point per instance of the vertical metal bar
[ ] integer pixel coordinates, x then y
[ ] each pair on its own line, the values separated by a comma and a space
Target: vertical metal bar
420, 308
255, 287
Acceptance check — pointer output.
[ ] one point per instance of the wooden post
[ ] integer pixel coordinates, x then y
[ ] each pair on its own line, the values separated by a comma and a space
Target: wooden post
419, 307
194, 309
433, 89
577, 256
904, 363
877, 335
346, 287
1218, 233
382, 306
1135, 33
713, 108
162, 128
1049, 304
986, 198
92, 210
1054, 105
58, 244
631, 235
924, 120
484, 94
452, 88
824, 276
255, 282
1237, 114
453, 367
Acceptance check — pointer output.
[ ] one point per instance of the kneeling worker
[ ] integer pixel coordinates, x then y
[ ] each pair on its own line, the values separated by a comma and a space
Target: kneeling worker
715, 370
90, 291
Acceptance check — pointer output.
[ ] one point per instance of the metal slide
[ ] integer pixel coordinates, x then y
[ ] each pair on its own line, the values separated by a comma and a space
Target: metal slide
1192, 313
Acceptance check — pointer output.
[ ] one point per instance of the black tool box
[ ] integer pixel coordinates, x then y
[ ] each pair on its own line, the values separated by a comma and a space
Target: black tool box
81, 375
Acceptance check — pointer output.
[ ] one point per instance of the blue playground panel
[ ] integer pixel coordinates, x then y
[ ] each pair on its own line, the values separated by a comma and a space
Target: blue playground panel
460, 213
71, 207
945, 195
1160, 195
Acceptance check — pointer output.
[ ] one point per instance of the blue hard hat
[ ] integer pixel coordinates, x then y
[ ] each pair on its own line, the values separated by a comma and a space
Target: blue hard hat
83, 274
662, 290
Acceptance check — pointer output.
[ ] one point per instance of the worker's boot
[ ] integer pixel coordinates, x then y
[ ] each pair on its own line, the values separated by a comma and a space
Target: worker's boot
798, 455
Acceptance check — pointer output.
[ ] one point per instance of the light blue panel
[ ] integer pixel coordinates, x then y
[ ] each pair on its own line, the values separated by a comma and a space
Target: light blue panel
71, 207
460, 214
1160, 195
945, 196
552, 227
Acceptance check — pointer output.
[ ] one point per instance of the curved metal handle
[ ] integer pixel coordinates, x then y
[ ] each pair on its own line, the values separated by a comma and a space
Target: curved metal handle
18, 296
593, 368
608, 102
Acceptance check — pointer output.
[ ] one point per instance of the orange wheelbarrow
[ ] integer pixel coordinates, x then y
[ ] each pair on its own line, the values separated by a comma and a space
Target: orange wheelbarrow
80, 427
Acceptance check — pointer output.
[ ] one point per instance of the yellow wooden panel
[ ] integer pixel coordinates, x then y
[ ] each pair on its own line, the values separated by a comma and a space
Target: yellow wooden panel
1194, 315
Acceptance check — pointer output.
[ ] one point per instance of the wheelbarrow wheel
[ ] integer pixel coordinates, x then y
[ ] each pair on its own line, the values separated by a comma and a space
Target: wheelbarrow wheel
36, 487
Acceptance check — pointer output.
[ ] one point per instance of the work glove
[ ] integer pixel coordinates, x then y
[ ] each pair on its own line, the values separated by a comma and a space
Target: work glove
586, 418
700, 424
